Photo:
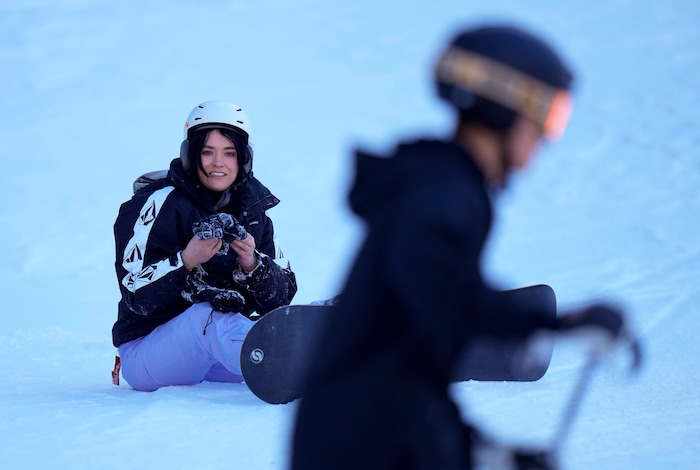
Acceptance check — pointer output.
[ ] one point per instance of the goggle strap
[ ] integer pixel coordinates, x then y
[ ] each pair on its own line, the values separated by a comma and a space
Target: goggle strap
503, 85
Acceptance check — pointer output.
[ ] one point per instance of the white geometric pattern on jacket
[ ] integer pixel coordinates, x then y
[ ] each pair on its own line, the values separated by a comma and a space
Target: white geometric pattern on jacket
139, 275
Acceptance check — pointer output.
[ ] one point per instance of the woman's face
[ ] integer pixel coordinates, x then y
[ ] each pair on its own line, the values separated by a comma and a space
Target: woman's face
220, 162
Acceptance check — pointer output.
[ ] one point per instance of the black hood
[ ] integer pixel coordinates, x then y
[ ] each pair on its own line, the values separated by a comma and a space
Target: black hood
378, 180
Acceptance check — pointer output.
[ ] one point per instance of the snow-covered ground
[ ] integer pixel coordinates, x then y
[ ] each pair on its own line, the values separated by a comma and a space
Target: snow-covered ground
95, 92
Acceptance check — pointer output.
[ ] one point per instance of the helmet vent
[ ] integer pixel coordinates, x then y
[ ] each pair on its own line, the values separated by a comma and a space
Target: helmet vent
214, 114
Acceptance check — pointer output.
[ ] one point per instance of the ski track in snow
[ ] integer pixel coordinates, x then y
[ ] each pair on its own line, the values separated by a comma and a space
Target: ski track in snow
95, 93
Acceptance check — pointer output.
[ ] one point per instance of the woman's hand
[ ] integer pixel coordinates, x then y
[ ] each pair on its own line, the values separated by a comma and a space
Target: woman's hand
245, 249
199, 251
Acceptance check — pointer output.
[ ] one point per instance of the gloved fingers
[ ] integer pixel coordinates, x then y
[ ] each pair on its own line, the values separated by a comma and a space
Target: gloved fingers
604, 329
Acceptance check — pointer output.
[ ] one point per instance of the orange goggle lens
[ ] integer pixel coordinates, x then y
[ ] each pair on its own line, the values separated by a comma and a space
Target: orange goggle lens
558, 116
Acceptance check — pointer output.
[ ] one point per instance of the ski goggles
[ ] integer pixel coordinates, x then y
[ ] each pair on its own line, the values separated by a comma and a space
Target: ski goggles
547, 106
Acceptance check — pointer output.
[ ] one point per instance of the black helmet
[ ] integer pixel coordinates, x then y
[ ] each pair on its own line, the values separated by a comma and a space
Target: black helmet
492, 73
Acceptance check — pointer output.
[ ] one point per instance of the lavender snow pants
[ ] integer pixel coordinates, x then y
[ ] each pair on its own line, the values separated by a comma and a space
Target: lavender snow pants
199, 344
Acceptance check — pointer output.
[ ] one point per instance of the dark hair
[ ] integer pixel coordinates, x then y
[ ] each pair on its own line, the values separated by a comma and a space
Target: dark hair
244, 156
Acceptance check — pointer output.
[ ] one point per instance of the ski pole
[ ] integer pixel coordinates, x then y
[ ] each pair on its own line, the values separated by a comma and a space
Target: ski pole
574, 406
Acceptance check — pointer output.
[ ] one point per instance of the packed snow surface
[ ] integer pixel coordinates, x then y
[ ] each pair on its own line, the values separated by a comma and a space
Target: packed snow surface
95, 93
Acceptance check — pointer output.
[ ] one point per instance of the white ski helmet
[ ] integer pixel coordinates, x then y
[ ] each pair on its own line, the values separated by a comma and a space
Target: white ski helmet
213, 115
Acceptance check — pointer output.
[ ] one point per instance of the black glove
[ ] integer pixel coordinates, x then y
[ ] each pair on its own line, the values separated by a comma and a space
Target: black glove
220, 226
601, 317
223, 300
604, 326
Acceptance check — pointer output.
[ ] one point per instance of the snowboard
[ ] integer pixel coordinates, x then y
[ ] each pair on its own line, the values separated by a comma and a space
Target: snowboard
277, 349
488, 360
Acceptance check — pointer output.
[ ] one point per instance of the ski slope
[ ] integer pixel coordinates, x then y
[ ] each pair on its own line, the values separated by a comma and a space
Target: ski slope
95, 92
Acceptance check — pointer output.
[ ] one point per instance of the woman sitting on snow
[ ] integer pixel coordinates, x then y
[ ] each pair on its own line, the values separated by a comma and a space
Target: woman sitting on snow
195, 259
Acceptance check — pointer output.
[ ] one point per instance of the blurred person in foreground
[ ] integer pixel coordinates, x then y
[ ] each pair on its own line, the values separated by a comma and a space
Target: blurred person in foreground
377, 394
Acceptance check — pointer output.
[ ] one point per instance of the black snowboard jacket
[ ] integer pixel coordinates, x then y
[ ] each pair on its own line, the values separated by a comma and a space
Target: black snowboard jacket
153, 228
414, 298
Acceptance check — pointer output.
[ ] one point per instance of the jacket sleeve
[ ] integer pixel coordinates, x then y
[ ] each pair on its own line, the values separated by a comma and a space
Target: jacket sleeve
273, 283
269, 286
149, 236
441, 284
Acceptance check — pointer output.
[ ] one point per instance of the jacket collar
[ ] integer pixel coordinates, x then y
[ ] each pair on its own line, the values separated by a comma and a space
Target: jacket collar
251, 199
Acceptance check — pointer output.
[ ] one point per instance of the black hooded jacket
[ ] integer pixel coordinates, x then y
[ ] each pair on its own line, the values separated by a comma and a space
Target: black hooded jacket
414, 298
153, 228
